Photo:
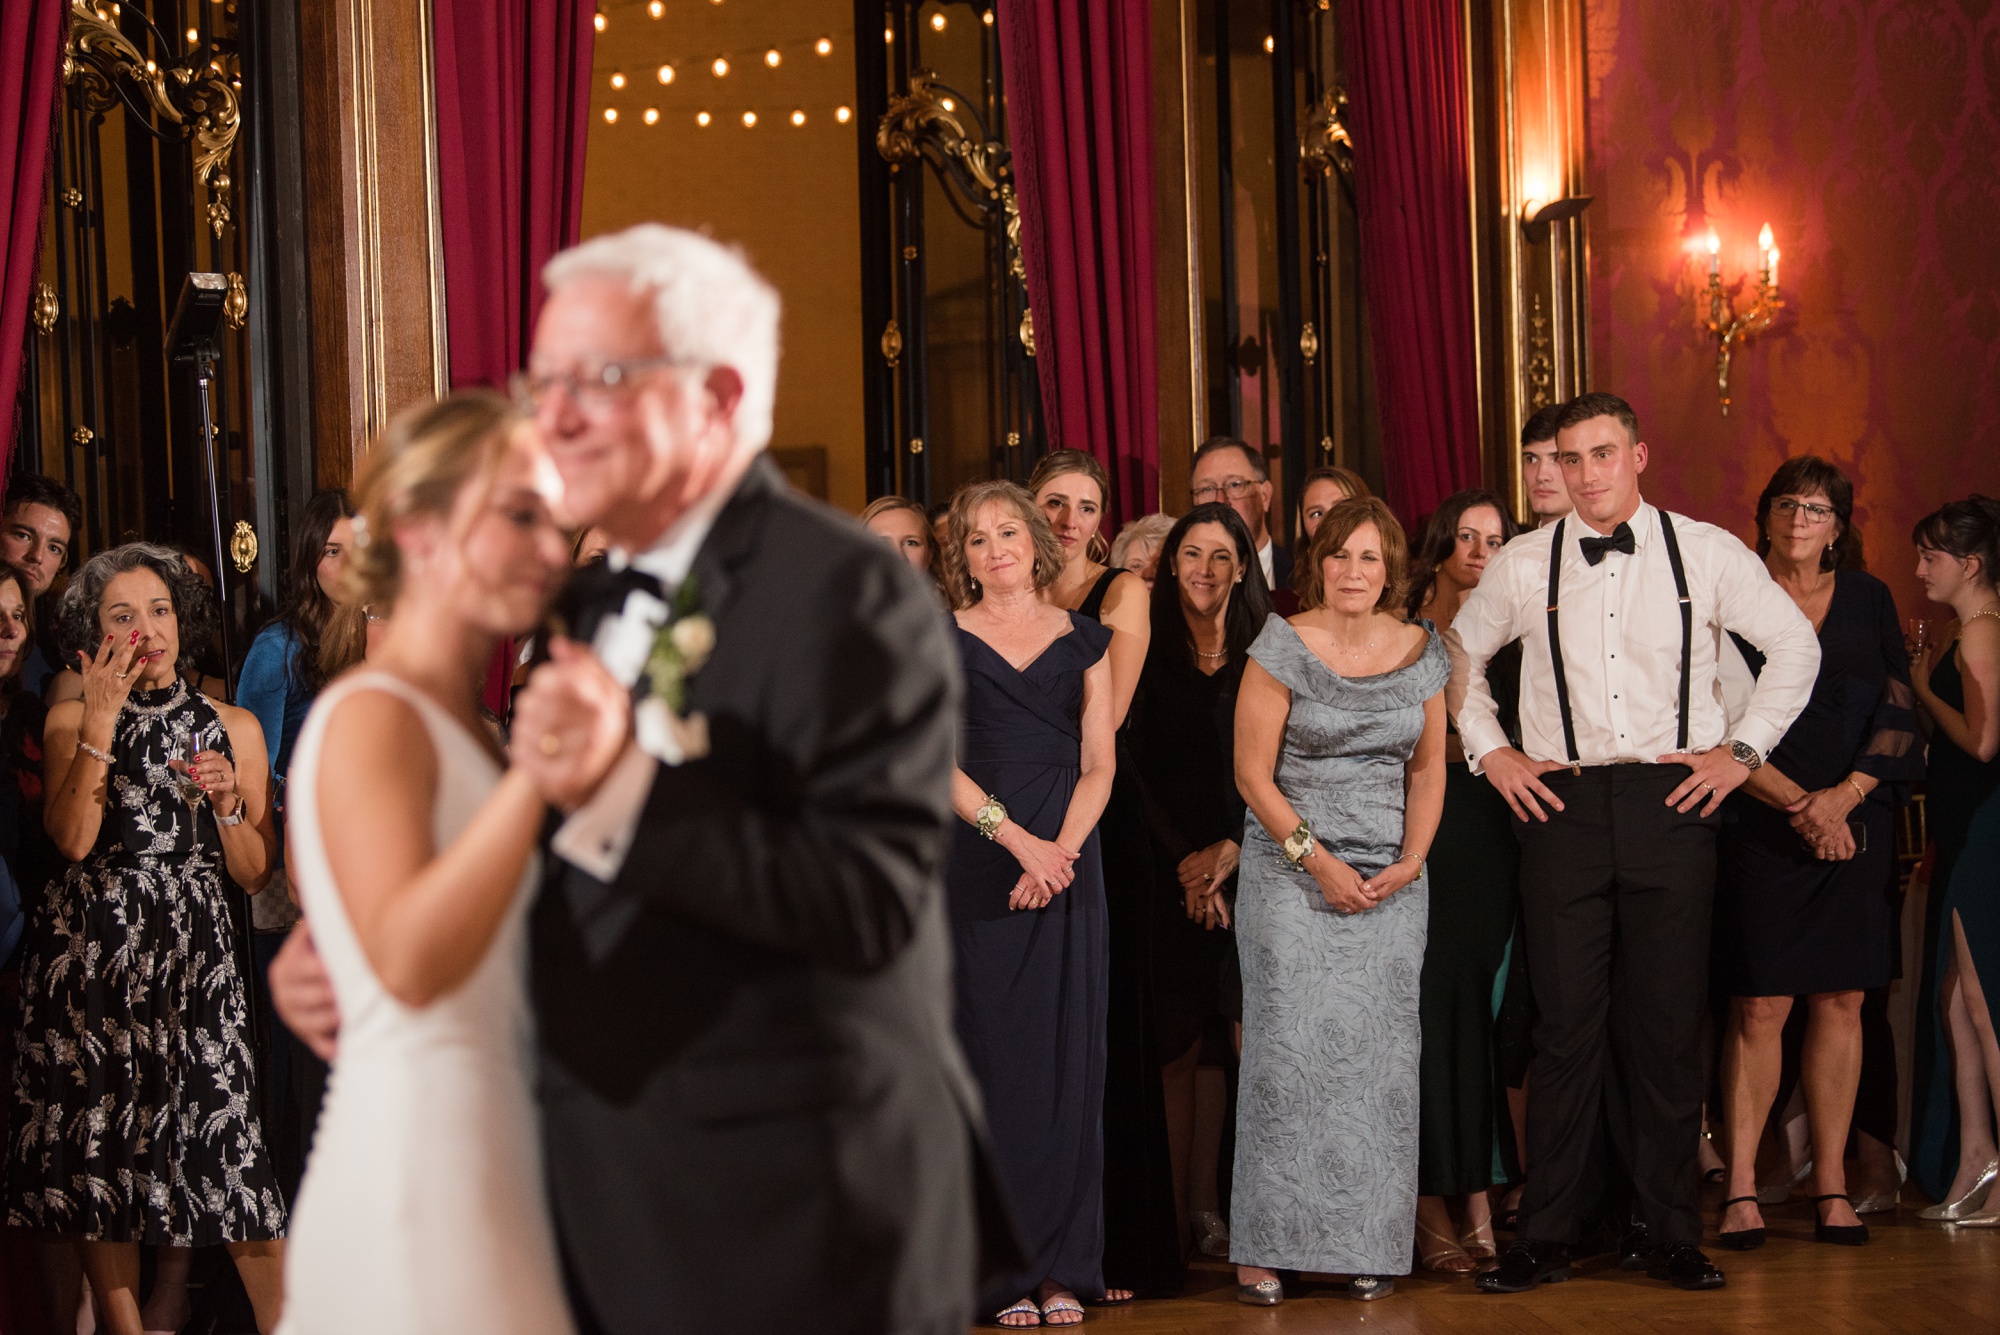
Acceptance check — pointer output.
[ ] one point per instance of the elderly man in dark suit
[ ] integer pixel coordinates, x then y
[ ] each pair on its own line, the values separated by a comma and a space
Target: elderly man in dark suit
756, 1117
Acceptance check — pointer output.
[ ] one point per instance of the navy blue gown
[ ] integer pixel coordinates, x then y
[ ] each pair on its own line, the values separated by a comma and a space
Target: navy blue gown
1033, 985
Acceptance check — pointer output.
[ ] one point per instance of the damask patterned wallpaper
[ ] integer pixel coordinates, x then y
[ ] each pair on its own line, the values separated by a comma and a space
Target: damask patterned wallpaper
1867, 133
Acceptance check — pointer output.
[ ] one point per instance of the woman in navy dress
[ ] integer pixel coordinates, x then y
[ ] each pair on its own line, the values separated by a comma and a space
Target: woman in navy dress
1026, 890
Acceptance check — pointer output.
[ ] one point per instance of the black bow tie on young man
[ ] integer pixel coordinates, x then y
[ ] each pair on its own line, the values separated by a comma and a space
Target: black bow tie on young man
1619, 541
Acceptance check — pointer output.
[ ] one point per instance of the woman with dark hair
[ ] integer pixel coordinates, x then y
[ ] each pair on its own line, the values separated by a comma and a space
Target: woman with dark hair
27, 860
147, 1132
1958, 689
281, 672
1473, 905
1209, 602
1026, 891
1805, 871
1071, 488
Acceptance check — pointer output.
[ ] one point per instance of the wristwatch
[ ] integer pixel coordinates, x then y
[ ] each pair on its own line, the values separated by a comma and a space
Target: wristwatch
1298, 845
990, 816
1745, 754
235, 818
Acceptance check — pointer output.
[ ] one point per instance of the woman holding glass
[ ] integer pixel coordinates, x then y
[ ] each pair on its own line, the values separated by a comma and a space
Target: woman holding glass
149, 1133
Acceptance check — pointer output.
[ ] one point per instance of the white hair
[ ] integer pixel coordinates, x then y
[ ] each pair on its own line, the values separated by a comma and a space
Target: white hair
713, 309
1139, 534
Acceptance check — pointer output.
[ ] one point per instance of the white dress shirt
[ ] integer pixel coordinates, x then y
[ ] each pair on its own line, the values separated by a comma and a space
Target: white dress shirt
597, 835
1621, 646
1264, 559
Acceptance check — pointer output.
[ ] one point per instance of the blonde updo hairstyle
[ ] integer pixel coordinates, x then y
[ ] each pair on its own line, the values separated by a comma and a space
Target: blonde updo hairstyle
959, 585
418, 465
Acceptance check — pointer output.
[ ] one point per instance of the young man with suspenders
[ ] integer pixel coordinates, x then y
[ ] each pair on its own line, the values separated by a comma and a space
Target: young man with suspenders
1626, 756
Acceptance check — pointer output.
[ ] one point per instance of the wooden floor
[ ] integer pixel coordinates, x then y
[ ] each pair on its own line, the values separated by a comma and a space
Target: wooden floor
1913, 1277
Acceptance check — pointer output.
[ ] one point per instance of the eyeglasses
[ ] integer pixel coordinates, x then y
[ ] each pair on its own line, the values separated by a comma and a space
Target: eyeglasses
1785, 507
1233, 489
590, 387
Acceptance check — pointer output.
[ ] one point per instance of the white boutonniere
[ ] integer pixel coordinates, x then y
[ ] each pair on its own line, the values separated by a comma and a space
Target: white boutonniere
665, 645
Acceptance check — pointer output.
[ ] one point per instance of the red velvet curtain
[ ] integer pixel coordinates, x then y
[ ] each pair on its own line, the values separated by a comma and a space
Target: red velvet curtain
31, 34
1080, 119
1406, 72
513, 111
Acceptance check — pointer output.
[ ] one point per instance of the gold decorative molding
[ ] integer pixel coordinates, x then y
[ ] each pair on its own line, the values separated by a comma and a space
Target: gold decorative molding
236, 302
243, 547
932, 116
47, 308
892, 344
1324, 144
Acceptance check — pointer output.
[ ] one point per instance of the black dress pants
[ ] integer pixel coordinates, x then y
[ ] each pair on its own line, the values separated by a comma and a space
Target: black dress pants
1616, 892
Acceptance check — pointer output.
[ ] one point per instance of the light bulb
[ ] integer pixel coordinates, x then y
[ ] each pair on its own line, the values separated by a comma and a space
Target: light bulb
720, 68
1270, 45
618, 80
665, 74
1714, 243
657, 9
948, 104
701, 118
1764, 241
937, 23
824, 46
600, 22
798, 118
749, 119
652, 115
843, 115
888, 34
611, 115
772, 58
987, 18
193, 36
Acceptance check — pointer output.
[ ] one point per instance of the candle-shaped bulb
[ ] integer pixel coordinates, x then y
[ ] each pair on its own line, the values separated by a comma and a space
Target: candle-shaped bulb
1773, 278
1714, 254
1764, 241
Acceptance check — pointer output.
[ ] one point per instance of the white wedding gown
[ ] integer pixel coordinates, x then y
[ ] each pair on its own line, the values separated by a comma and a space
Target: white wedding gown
423, 1207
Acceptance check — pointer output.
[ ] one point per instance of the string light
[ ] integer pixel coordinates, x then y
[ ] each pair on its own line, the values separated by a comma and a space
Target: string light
772, 58
618, 79
843, 114
937, 22
948, 105
193, 37
798, 118
720, 68
987, 18
888, 34
1270, 45
749, 119
665, 74
701, 118
611, 115
652, 115
824, 46
657, 9
600, 22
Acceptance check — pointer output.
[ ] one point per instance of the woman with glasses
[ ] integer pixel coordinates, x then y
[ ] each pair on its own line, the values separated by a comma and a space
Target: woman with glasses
1805, 872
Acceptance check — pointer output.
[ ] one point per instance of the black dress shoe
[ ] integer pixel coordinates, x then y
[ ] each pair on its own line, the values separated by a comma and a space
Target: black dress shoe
1742, 1239
1840, 1235
1683, 1266
1635, 1247
1524, 1265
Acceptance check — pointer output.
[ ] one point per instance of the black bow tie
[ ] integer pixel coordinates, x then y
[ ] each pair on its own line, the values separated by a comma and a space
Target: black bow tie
1619, 541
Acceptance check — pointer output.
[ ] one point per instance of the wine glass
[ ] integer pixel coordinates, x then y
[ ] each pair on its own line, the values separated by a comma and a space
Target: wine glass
1919, 640
189, 746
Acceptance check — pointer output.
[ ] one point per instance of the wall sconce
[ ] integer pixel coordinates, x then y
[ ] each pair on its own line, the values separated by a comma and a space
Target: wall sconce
1537, 215
1723, 324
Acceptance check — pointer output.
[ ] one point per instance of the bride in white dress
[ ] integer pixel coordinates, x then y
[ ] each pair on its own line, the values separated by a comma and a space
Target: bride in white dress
413, 849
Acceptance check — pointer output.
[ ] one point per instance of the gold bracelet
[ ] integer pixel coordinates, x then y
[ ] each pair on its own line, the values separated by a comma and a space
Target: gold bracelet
1858, 792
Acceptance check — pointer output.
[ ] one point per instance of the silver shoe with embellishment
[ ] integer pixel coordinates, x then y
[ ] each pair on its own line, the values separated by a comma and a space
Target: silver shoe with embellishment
1367, 1288
1970, 1202
1264, 1293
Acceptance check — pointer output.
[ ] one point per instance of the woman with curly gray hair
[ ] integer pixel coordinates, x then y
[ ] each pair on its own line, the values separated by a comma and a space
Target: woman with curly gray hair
143, 1129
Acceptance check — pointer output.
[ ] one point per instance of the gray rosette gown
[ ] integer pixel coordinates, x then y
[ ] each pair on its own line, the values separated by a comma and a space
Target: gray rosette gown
1326, 1135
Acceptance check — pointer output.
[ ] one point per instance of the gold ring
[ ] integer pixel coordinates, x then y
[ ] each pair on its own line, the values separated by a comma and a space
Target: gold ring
551, 744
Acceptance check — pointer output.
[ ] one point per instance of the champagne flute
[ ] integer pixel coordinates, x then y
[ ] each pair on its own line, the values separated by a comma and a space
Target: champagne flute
1920, 636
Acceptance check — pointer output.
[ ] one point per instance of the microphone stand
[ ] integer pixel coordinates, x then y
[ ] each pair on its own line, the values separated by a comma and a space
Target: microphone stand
204, 372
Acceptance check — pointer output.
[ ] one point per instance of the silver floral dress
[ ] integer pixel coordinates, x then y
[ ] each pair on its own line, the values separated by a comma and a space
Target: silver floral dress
1326, 1132
134, 1099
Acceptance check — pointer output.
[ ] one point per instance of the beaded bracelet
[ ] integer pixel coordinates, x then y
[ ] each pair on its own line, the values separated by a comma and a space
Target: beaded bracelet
93, 752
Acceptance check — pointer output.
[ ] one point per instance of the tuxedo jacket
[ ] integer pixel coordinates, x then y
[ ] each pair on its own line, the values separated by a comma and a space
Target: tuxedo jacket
755, 1114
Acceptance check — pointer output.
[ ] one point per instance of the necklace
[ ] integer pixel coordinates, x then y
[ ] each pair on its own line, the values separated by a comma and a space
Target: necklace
164, 707
1993, 611
1351, 653
1219, 653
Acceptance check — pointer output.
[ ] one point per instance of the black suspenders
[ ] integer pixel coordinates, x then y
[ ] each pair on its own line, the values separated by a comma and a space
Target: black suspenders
1555, 634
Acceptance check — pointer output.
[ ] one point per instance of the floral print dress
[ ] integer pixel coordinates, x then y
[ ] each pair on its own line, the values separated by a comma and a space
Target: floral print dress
134, 1096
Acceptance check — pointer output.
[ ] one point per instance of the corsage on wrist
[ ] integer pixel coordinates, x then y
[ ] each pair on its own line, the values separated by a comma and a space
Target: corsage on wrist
1298, 845
990, 816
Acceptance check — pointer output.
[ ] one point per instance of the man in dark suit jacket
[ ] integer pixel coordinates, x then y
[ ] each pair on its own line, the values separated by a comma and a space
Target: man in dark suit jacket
755, 1115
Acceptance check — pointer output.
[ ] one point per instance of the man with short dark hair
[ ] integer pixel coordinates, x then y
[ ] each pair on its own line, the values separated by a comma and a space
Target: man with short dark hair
37, 525
1229, 470
1625, 757
1541, 476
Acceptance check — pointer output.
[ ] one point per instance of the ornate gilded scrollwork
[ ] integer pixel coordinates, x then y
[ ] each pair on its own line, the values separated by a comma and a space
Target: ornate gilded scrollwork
1324, 144
1541, 371
929, 122
892, 344
243, 547
47, 308
1309, 341
236, 302
192, 91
